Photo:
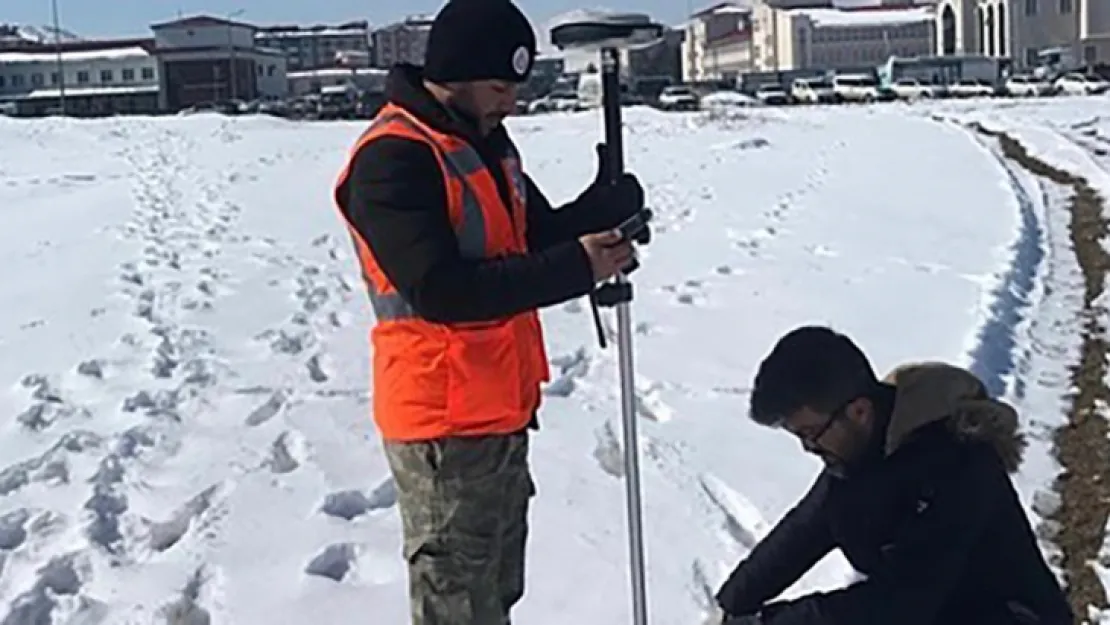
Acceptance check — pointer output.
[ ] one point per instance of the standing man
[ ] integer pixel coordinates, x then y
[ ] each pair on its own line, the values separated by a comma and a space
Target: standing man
915, 493
459, 249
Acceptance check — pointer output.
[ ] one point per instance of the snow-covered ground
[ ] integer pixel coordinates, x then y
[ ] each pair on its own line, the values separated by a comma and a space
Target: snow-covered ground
184, 342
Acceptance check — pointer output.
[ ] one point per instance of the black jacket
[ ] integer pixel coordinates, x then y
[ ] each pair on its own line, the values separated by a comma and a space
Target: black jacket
935, 524
396, 200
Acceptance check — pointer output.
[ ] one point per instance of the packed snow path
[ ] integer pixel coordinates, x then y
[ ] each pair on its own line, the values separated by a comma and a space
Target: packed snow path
185, 347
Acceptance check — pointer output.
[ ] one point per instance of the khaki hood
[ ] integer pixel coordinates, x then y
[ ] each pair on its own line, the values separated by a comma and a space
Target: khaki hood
928, 392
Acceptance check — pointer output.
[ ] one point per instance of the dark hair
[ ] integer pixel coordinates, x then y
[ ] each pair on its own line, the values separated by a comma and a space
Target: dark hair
810, 367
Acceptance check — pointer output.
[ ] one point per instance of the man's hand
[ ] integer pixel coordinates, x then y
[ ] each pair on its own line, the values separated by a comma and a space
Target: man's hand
625, 196
607, 252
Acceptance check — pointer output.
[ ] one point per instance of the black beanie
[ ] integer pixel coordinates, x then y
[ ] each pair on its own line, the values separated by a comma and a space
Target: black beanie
480, 40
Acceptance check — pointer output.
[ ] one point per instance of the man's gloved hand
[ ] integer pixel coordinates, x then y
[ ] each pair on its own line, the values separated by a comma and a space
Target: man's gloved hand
624, 198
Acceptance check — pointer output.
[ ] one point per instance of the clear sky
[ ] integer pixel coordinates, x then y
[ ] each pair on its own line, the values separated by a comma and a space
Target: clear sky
123, 18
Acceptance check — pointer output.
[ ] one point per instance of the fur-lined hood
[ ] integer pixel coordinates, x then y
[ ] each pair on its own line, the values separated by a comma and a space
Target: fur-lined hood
929, 392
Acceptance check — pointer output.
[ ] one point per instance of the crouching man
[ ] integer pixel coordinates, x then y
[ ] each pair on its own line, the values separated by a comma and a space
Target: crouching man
915, 493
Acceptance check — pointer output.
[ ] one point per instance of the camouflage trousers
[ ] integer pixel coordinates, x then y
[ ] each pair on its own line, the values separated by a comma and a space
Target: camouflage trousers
464, 507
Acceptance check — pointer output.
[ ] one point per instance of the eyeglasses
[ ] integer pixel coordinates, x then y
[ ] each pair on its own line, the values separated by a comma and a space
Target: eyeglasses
811, 438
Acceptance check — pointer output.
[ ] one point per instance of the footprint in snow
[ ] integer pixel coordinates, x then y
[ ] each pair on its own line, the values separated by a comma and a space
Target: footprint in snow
608, 451
286, 453
269, 409
185, 609
59, 577
572, 367
349, 504
316, 369
165, 534
334, 562
650, 404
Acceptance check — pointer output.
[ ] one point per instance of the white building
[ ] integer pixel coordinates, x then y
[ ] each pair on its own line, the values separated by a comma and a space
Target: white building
717, 43
403, 42
95, 78
833, 38
1020, 29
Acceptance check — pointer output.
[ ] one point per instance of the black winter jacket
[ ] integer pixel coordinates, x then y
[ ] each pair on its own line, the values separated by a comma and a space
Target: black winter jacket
396, 200
935, 524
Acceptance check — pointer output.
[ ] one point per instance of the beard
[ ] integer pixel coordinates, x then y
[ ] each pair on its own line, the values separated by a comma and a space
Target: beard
852, 451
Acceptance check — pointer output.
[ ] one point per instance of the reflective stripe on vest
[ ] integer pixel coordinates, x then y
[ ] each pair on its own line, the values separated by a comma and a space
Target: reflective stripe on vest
461, 163
432, 379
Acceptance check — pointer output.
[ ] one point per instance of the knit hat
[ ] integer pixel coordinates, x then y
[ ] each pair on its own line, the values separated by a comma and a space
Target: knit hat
480, 40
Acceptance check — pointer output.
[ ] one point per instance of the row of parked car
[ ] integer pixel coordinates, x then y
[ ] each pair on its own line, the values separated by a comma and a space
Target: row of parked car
865, 88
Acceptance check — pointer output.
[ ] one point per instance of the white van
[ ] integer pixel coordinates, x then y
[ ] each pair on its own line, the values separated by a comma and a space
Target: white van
856, 88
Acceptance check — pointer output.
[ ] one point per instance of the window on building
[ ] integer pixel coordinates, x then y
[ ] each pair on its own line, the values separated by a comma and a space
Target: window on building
1090, 55
1031, 7
106, 75
17, 80
1066, 6
37, 80
128, 75
54, 78
271, 70
82, 77
3, 82
148, 73
1031, 57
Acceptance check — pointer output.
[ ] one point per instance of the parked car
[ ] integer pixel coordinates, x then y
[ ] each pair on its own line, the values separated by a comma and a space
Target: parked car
856, 88
1027, 86
678, 98
556, 101
971, 88
1076, 83
913, 89
722, 100
813, 91
773, 95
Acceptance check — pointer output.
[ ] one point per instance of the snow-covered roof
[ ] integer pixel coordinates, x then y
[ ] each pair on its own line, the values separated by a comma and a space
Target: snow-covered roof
885, 17
50, 94
76, 56
305, 34
337, 72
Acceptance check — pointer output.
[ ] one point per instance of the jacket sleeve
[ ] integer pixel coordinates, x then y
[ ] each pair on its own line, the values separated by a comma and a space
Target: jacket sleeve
548, 226
795, 544
925, 563
396, 201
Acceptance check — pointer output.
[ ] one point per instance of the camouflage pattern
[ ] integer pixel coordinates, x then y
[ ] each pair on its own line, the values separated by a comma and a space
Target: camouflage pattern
464, 506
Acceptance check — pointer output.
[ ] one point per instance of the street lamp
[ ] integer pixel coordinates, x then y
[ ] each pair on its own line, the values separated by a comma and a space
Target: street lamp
58, 58
233, 89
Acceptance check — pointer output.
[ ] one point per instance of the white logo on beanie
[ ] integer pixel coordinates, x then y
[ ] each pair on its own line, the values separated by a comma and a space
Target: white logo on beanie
521, 58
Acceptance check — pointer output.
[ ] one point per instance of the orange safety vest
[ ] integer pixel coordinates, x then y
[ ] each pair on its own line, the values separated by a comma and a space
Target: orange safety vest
433, 380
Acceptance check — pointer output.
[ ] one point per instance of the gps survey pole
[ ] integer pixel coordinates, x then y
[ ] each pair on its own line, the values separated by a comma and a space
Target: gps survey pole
607, 34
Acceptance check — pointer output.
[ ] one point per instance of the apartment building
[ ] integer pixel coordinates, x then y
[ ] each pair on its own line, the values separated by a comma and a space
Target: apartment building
403, 42
319, 46
716, 43
1022, 29
829, 38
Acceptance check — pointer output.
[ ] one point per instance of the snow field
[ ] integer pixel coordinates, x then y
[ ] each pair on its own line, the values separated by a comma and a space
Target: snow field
186, 353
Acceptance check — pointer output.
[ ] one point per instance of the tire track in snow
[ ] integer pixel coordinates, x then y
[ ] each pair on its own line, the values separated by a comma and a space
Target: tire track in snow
993, 357
1079, 514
